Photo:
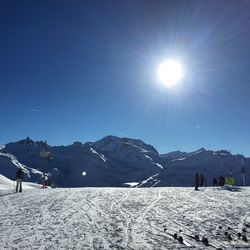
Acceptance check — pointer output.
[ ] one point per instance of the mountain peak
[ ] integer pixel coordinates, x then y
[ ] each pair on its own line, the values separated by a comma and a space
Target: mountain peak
200, 150
26, 141
111, 142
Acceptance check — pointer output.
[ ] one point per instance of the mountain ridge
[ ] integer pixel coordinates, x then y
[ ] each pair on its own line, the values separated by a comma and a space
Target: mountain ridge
114, 161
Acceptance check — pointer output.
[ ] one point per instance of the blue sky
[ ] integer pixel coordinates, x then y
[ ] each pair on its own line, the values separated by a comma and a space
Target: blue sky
81, 70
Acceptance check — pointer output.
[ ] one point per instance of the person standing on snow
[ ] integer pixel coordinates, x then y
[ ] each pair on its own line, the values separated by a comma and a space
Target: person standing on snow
45, 180
197, 181
19, 179
221, 181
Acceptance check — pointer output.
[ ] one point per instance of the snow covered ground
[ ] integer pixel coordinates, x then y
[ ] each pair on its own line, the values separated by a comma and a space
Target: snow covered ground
123, 218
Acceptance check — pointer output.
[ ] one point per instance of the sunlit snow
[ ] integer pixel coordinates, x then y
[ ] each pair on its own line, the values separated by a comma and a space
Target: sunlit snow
123, 218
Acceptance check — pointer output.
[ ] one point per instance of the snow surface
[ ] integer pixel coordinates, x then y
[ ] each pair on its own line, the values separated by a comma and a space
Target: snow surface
131, 184
100, 155
122, 218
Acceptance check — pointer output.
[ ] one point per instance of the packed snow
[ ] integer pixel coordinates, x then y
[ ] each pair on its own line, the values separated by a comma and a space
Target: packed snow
124, 218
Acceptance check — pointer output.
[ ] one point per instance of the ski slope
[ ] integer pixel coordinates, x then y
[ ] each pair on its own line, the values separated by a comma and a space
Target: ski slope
123, 218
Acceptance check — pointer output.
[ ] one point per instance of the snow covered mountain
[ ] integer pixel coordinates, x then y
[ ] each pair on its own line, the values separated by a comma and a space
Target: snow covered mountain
116, 162
211, 163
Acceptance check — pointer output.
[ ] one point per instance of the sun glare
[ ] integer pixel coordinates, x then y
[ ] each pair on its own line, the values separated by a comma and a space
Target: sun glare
170, 72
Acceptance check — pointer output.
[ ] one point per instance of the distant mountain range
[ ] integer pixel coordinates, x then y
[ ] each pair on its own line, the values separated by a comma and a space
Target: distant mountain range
118, 162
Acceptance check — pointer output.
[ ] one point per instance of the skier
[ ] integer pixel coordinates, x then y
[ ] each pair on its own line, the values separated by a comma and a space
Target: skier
221, 181
197, 181
19, 179
45, 180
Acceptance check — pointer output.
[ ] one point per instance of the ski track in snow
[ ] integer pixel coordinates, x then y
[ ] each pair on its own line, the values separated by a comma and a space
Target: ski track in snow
122, 218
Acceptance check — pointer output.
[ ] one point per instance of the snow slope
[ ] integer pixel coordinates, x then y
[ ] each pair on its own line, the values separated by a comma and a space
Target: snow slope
7, 184
123, 218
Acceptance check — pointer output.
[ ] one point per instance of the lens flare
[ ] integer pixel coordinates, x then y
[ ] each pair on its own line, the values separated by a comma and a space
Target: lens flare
170, 72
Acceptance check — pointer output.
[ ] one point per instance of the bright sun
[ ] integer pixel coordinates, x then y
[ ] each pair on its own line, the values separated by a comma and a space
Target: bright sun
170, 72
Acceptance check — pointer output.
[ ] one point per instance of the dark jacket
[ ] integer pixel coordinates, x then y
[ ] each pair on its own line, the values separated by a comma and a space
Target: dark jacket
19, 174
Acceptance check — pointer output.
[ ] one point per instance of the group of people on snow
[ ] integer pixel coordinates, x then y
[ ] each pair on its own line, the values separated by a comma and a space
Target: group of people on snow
20, 176
218, 181
199, 180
